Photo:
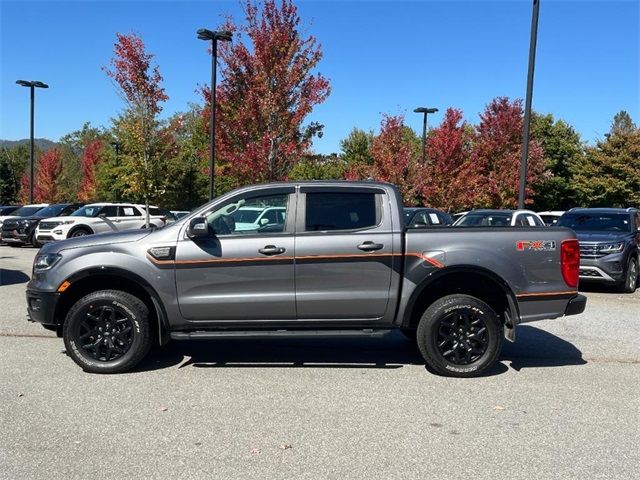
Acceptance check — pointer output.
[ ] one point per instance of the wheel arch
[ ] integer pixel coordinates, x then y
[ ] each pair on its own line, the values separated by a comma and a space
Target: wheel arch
470, 280
112, 278
75, 228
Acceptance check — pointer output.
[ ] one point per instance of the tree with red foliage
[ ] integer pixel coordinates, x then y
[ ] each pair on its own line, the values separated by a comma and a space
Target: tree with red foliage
394, 152
267, 91
137, 129
497, 154
89, 160
45, 188
450, 179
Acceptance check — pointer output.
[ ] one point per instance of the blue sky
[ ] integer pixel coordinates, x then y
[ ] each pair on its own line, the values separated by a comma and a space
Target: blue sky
380, 56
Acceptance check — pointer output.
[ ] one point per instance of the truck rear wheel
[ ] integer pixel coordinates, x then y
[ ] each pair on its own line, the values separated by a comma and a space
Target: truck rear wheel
107, 332
459, 336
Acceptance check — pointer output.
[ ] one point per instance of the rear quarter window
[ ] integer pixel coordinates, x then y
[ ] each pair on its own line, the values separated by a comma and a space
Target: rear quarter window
328, 211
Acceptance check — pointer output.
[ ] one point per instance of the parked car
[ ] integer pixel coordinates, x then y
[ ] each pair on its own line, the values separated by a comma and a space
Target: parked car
24, 211
609, 244
19, 231
7, 210
417, 217
255, 217
165, 215
341, 264
551, 218
499, 218
95, 218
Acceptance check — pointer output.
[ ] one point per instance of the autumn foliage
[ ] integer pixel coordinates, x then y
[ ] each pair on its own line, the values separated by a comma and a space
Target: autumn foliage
45, 182
89, 160
268, 89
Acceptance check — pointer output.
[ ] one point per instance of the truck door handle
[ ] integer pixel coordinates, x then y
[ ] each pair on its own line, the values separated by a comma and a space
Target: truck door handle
370, 246
272, 250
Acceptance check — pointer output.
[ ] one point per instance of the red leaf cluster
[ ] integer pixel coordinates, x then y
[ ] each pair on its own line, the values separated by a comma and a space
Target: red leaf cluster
89, 160
266, 93
138, 82
45, 182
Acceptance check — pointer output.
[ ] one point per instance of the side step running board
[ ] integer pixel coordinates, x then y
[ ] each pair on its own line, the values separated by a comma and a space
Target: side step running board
278, 334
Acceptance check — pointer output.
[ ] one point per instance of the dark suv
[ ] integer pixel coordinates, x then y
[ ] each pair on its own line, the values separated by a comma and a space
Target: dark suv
609, 244
19, 231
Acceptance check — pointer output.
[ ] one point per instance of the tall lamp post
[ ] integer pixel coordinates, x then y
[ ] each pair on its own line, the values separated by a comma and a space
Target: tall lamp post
426, 111
116, 147
527, 104
32, 85
214, 37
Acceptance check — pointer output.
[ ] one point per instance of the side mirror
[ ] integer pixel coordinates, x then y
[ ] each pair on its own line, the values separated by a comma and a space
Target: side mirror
264, 221
198, 228
102, 215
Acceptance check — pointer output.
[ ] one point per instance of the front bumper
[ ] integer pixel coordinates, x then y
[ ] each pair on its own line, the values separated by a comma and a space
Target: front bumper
607, 269
41, 307
576, 305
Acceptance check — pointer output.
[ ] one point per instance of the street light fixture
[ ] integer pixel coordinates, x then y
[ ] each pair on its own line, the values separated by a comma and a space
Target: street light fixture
32, 85
214, 37
425, 111
527, 104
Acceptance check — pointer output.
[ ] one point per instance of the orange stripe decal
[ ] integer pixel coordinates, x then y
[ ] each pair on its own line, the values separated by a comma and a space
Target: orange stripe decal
429, 260
547, 294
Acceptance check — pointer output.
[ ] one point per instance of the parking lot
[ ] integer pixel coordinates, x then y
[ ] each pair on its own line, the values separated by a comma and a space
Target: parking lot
563, 403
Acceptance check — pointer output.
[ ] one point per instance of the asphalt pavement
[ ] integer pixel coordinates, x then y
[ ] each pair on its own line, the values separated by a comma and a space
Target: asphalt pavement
563, 403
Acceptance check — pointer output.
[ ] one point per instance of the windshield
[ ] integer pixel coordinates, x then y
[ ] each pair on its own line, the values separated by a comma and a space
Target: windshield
7, 210
51, 211
493, 219
606, 222
26, 211
246, 216
87, 211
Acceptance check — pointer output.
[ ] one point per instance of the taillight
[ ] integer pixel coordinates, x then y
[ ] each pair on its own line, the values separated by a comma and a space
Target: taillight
570, 262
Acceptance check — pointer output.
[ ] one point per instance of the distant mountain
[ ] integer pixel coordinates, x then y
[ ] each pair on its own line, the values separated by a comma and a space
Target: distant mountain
42, 144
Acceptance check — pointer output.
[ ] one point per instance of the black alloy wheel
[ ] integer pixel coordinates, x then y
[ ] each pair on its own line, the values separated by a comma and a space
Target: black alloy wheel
462, 337
105, 333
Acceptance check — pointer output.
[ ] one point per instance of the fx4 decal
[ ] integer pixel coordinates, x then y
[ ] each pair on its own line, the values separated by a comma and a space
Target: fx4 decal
537, 245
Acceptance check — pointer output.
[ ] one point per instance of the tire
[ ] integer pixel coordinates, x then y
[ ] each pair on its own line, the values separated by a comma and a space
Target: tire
34, 242
120, 349
79, 232
630, 282
457, 317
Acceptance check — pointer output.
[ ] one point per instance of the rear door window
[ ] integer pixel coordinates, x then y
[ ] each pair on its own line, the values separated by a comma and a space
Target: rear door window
109, 211
328, 211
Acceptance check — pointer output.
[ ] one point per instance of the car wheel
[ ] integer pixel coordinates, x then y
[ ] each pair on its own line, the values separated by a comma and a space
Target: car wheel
631, 278
79, 232
459, 336
34, 242
107, 332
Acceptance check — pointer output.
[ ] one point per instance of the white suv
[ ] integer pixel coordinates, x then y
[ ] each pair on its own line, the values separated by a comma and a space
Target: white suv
96, 218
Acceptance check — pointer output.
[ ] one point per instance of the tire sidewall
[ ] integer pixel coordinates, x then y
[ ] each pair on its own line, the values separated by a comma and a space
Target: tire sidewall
627, 287
135, 313
428, 335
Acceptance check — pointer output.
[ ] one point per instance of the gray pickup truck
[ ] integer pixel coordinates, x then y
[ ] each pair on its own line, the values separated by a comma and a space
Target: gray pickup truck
340, 263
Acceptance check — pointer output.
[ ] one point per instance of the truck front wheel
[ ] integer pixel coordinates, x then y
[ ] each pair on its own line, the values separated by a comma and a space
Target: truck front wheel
460, 336
107, 332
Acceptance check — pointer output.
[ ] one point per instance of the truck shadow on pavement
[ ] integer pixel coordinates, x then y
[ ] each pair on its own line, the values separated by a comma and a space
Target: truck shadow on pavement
12, 277
534, 348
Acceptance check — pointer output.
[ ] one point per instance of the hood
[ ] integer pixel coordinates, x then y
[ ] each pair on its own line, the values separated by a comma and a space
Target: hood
97, 240
602, 237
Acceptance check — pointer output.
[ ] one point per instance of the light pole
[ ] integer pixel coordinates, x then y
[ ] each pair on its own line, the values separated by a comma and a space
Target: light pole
426, 112
527, 104
224, 36
116, 147
32, 85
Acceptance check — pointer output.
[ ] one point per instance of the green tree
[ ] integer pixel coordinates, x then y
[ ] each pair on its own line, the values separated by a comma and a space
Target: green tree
609, 173
319, 167
14, 162
562, 148
356, 148
622, 123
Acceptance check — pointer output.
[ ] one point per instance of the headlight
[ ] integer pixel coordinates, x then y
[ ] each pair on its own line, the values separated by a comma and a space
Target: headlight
45, 262
611, 248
